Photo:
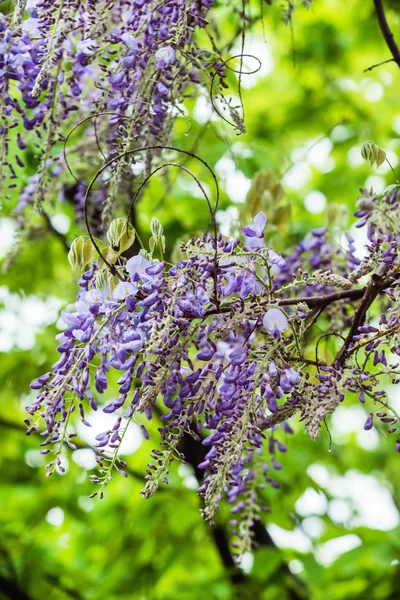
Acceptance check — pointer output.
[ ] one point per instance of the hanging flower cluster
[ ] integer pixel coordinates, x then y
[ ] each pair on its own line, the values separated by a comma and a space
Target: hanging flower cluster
117, 70
217, 346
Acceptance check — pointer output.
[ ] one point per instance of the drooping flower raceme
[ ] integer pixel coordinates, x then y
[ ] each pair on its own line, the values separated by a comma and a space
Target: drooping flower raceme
117, 71
215, 346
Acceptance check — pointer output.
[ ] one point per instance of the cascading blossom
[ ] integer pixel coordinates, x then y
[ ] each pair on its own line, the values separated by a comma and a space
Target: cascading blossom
214, 346
118, 71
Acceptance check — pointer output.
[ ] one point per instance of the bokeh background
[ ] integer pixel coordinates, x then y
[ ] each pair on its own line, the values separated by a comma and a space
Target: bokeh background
334, 524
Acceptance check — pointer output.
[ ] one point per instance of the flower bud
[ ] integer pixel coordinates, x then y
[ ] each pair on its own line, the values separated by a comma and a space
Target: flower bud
372, 153
120, 235
80, 253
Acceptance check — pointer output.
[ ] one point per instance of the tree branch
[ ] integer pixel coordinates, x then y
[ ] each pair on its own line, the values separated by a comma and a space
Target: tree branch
264, 539
12, 590
386, 31
318, 301
325, 299
371, 292
379, 282
195, 453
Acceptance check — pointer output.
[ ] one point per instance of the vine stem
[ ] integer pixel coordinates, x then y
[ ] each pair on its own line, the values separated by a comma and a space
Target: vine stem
386, 31
43, 71
318, 301
371, 292
393, 171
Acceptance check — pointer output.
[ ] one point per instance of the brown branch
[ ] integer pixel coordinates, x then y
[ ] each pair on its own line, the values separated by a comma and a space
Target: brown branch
350, 294
325, 299
386, 31
379, 282
294, 586
195, 453
378, 336
317, 301
371, 292
12, 590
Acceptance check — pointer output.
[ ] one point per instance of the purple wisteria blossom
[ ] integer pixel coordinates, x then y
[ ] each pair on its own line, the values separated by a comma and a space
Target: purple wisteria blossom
94, 63
256, 229
199, 346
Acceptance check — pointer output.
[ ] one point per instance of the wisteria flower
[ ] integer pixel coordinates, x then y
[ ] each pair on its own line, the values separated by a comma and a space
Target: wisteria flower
125, 289
137, 266
276, 259
133, 343
165, 56
84, 305
256, 229
130, 41
275, 322
87, 46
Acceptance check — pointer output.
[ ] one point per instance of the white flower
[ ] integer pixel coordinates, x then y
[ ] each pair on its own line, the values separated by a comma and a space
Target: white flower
137, 264
124, 289
130, 41
165, 56
275, 322
88, 46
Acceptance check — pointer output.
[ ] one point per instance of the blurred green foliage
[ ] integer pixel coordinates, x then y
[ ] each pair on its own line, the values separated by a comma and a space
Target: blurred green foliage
306, 119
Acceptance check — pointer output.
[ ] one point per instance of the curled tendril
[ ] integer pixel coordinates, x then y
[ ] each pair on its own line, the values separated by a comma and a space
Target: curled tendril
203, 191
96, 135
179, 166
242, 42
238, 71
212, 210
93, 117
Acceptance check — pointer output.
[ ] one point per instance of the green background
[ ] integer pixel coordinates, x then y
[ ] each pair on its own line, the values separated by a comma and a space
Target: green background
334, 522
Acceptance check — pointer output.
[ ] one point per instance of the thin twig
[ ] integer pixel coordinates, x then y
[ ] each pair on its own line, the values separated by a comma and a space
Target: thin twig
379, 64
386, 31
20, 428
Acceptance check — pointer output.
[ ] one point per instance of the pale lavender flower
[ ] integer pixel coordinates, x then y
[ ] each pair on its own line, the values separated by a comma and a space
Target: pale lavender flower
276, 259
130, 41
275, 322
256, 229
137, 266
165, 56
125, 289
